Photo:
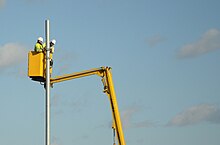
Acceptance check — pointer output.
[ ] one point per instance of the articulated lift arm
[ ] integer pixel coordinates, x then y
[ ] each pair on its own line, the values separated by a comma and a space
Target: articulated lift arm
105, 73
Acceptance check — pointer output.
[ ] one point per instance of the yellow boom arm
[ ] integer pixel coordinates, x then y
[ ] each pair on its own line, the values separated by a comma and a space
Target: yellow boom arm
105, 73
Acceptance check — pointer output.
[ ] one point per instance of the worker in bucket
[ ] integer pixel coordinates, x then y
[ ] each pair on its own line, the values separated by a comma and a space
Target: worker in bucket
39, 46
52, 43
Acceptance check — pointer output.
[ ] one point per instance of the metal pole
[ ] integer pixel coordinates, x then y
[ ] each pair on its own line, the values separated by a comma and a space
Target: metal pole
47, 82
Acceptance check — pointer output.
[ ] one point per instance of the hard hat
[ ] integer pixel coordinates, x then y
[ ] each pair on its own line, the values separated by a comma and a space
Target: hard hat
53, 41
40, 39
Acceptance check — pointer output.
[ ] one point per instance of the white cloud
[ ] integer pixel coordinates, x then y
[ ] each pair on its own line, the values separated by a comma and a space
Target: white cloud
127, 116
127, 119
155, 40
2, 3
196, 114
12, 54
208, 42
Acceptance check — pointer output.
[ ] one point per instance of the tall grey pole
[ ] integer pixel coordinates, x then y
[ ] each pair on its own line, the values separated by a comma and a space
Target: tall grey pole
47, 25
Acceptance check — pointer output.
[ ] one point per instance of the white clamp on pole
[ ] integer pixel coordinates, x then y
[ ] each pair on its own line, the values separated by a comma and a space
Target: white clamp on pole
47, 82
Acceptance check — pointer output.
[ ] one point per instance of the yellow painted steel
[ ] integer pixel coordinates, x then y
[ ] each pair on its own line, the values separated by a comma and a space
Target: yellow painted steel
58, 79
114, 106
37, 65
36, 71
105, 73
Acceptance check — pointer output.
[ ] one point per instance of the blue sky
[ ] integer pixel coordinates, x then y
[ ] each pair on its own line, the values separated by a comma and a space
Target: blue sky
165, 60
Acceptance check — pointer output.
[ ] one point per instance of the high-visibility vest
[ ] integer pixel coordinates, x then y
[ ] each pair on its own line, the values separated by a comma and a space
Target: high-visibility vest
39, 47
